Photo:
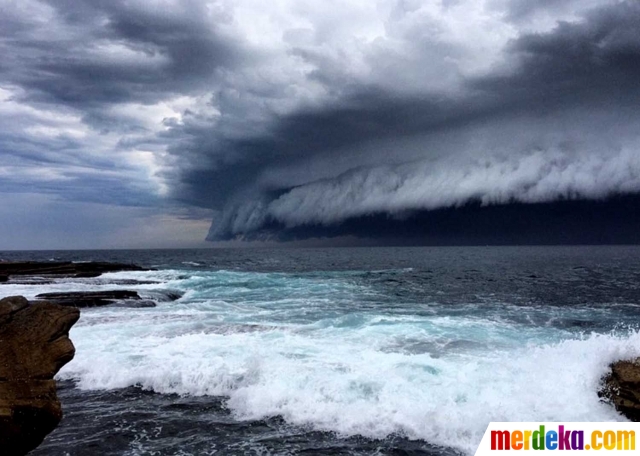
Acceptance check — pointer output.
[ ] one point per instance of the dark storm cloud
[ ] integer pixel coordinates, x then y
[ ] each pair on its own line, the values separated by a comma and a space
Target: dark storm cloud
298, 118
378, 147
596, 61
363, 118
68, 67
564, 222
172, 51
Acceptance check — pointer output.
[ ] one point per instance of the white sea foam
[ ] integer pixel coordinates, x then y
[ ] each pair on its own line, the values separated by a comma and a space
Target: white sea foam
436, 377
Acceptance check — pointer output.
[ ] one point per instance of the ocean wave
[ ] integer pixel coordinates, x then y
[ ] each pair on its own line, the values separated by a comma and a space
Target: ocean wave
341, 381
339, 352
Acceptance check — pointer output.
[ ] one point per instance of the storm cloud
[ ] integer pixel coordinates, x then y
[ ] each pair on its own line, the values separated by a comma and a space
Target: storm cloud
295, 120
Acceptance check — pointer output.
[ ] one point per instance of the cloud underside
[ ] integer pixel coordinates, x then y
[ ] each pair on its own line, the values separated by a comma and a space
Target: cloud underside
561, 222
362, 118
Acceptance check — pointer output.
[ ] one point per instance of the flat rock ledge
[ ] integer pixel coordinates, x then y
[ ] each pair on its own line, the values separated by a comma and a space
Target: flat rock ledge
34, 345
622, 388
96, 298
60, 269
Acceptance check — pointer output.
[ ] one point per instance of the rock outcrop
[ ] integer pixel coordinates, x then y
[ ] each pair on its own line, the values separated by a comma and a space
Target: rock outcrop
91, 298
34, 345
56, 269
622, 388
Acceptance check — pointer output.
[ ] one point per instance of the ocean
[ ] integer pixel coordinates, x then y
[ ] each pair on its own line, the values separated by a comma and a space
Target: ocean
343, 351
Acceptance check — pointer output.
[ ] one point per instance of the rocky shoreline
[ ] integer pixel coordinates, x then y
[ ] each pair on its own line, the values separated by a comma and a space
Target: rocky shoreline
35, 344
50, 272
41, 271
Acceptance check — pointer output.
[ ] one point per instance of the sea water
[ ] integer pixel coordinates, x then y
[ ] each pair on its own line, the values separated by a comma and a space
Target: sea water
341, 351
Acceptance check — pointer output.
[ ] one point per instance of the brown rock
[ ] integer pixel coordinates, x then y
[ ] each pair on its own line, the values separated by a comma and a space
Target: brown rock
622, 388
34, 345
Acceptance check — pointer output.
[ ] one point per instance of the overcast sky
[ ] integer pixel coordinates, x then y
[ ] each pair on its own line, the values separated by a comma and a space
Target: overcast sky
136, 123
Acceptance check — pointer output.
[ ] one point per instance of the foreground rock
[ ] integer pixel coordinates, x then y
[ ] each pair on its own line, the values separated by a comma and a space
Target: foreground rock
622, 388
57, 269
34, 345
95, 298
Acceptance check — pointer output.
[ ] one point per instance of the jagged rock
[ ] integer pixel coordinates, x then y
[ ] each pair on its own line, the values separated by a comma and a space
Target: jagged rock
34, 345
622, 388
9, 269
89, 298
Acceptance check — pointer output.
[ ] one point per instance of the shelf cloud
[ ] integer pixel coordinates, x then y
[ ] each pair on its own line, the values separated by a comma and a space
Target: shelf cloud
292, 120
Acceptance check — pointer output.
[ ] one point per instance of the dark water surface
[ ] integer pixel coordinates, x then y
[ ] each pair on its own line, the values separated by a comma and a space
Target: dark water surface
341, 351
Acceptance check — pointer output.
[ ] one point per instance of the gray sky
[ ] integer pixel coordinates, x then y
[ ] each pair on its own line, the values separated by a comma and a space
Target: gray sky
136, 123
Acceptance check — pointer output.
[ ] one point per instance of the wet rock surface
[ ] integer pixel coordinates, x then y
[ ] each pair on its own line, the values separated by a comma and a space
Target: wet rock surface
43, 270
90, 298
622, 388
34, 345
